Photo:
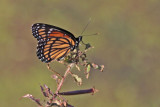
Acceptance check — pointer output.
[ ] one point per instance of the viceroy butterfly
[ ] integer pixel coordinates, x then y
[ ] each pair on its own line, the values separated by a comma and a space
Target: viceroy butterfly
54, 43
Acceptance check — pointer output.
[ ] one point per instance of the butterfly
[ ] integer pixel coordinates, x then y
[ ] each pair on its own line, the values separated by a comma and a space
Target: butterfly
54, 43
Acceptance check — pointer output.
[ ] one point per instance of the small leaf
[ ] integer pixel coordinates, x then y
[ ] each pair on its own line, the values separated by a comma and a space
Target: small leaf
88, 68
77, 79
95, 66
83, 56
78, 68
55, 77
88, 46
32, 98
43, 91
56, 103
99, 67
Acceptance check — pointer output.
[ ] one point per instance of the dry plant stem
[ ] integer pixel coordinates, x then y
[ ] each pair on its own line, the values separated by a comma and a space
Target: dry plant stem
53, 70
63, 78
86, 91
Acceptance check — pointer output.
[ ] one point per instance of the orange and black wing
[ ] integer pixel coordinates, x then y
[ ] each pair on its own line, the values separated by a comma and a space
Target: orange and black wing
54, 43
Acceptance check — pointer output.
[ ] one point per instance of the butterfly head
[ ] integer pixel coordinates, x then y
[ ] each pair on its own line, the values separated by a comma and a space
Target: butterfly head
79, 39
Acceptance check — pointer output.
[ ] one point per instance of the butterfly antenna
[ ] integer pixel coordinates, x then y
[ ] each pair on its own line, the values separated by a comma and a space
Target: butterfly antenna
89, 35
92, 34
86, 26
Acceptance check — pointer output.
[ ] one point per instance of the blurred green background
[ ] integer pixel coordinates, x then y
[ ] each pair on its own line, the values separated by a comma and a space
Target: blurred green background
128, 46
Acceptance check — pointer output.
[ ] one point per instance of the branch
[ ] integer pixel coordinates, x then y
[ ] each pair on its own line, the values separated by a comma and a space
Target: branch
86, 91
53, 70
63, 78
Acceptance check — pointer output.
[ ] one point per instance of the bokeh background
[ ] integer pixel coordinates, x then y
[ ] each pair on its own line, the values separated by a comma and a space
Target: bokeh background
128, 46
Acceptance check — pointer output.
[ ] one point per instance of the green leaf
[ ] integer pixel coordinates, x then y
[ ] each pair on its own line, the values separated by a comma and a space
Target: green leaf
88, 68
77, 79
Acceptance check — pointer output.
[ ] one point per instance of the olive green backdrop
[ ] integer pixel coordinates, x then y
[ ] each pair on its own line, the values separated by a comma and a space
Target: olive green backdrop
128, 46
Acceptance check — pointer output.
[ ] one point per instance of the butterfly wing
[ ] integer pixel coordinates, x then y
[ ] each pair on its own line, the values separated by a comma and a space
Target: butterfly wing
53, 42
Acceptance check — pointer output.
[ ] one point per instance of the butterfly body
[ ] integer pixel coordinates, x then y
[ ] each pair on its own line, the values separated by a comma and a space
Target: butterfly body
54, 43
